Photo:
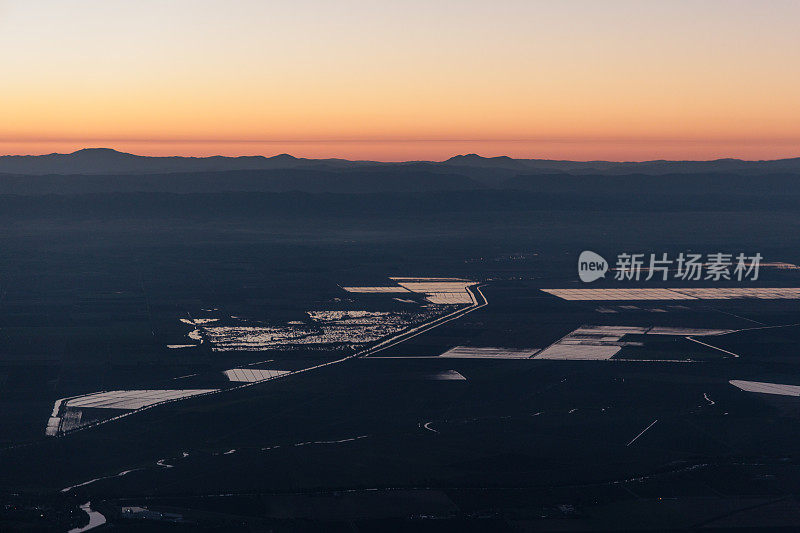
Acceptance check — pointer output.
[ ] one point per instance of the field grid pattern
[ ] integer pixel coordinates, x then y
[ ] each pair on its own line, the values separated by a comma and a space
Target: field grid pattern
709, 293
131, 399
251, 375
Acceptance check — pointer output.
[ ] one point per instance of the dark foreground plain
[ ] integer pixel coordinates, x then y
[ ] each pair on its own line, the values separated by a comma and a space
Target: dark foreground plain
93, 284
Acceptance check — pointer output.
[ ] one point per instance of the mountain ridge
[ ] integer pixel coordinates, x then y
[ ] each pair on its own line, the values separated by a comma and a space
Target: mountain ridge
110, 161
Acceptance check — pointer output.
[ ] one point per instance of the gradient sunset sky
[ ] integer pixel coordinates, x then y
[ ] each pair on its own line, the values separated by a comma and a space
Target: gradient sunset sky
618, 80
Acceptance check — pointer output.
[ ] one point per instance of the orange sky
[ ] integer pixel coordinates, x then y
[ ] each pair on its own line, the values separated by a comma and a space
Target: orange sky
621, 80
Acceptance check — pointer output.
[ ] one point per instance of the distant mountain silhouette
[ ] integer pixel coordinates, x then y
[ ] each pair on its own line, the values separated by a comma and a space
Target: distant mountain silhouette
108, 183
108, 161
491, 170
619, 168
476, 160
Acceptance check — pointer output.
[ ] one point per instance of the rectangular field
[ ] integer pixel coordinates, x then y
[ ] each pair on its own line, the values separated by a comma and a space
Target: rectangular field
250, 375
473, 352
721, 293
131, 399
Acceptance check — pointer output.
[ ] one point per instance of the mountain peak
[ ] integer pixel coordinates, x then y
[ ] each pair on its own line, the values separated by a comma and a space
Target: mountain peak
476, 160
98, 151
476, 157
100, 155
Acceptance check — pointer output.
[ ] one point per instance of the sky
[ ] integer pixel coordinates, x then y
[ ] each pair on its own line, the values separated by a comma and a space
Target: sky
566, 79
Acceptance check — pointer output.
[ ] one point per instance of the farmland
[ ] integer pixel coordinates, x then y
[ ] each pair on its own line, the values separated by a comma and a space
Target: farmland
498, 404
